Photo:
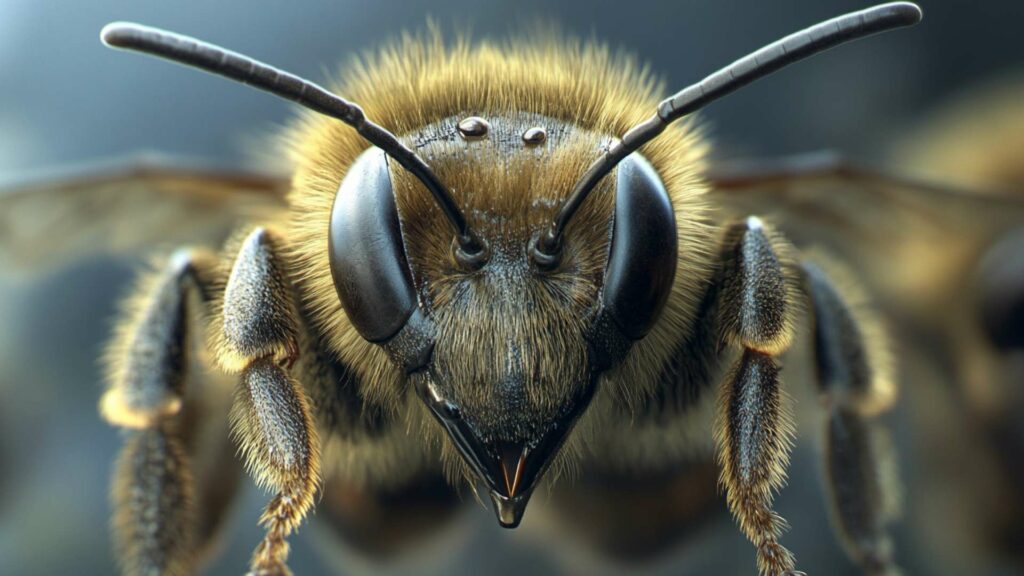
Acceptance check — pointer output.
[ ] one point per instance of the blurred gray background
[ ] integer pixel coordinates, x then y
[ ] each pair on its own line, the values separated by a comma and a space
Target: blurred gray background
66, 100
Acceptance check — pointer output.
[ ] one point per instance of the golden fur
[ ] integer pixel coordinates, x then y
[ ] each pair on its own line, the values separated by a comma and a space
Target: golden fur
420, 81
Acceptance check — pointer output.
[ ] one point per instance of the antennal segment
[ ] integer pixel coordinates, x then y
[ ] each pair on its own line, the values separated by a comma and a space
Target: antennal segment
216, 60
772, 57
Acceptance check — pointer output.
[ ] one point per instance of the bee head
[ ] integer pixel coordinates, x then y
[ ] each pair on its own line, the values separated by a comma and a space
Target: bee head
506, 353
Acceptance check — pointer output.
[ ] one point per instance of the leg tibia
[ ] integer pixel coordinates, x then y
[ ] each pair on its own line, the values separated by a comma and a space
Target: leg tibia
850, 346
154, 505
858, 472
754, 438
148, 359
272, 424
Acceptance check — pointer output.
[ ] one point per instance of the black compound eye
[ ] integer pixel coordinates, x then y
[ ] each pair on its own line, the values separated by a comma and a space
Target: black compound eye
368, 262
642, 259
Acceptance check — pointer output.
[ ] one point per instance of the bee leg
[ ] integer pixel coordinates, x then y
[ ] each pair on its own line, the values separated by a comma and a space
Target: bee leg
153, 493
271, 418
754, 428
154, 504
859, 463
148, 357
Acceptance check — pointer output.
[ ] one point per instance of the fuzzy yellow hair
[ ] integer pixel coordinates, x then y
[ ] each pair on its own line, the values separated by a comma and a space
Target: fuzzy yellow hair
419, 81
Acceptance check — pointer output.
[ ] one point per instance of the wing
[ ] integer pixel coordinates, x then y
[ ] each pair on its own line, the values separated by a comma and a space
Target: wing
917, 245
128, 207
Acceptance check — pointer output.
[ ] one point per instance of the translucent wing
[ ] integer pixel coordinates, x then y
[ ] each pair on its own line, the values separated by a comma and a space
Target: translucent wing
128, 208
917, 245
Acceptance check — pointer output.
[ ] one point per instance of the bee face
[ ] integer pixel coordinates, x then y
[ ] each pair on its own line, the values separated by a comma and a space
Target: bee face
511, 362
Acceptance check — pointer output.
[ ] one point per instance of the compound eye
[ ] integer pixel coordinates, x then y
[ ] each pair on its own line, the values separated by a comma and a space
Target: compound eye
642, 259
367, 253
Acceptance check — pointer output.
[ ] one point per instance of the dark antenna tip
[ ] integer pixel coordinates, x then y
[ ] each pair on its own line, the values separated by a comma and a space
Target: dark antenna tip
121, 34
110, 33
910, 13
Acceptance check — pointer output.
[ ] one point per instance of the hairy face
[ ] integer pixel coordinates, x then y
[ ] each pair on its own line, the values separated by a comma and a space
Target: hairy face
511, 352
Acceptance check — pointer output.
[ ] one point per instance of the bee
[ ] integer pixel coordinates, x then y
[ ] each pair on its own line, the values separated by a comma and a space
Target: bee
505, 266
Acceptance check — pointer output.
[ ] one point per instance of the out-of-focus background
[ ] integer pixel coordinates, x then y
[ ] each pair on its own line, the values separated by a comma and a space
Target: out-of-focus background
68, 101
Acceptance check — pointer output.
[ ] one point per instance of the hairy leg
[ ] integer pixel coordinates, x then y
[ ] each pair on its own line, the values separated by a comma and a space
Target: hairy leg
254, 332
163, 521
271, 419
855, 387
754, 429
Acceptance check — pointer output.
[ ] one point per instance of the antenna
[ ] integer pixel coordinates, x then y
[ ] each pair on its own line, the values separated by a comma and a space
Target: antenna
807, 42
217, 60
